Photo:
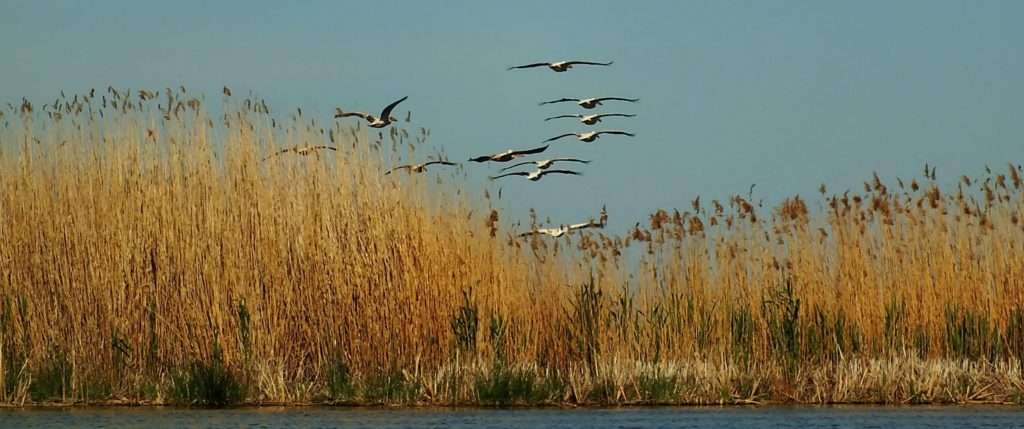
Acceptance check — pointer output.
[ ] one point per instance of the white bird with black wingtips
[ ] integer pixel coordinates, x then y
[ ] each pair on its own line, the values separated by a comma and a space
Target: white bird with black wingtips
590, 136
384, 120
591, 119
562, 230
590, 103
561, 66
536, 174
553, 232
509, 155
544, 164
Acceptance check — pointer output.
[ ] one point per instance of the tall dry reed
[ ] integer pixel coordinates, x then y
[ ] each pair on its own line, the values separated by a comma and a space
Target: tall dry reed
153, 252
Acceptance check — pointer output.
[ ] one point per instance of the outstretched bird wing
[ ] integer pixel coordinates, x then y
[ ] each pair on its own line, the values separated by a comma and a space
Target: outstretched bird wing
527, 66
282, 151
591, 63
442, 162
588, 224
574, 173
338, 113
386, 113
571, 160
518, 164
561, 116
514, 173
604, 115
631, 100
529, 151
618, 132
558, 137
300, 150
400, 167
560, 100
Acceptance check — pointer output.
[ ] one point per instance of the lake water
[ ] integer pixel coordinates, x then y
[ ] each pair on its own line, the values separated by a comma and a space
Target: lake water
626, 418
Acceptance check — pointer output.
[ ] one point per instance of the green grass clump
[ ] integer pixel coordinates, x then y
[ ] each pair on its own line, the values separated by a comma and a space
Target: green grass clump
658, 386
340, 387
970, 335
52, 380
465, 324
390, 387
504, 386
207, 383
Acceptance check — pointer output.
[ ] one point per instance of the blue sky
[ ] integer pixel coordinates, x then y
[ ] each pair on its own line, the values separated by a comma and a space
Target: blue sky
787, 95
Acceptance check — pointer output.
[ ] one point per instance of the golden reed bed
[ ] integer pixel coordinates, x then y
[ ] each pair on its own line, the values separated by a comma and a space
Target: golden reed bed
148, 254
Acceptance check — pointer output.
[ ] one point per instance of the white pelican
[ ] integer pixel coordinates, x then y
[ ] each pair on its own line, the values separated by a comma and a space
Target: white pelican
590, 103
304, 150
553, 232
509, 155
590, 136
384, 120
418, 168
536, 174
562, 230
590, 119
561, 66
544, 164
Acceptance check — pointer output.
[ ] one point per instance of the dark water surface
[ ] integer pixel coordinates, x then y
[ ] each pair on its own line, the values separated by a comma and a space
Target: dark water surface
626, 418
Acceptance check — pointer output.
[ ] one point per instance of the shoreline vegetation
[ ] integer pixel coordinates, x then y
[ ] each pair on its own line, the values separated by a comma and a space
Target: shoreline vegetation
151, 253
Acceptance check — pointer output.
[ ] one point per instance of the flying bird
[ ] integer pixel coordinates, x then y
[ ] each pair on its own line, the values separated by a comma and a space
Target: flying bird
536, 174
304, 150
553, 232
561, 66
384, 120
418, 168
590, 136
590, 103
544, 164
562, 230
509, 155
590, 119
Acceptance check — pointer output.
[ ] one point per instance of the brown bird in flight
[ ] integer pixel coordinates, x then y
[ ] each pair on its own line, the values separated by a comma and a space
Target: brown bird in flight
384, 120
418, 168
301, 150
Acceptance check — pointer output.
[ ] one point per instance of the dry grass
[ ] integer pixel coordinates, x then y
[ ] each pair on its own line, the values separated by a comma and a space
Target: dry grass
149, 254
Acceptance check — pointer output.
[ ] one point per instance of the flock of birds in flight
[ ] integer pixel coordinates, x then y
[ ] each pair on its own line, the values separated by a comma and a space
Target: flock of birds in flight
541, 168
